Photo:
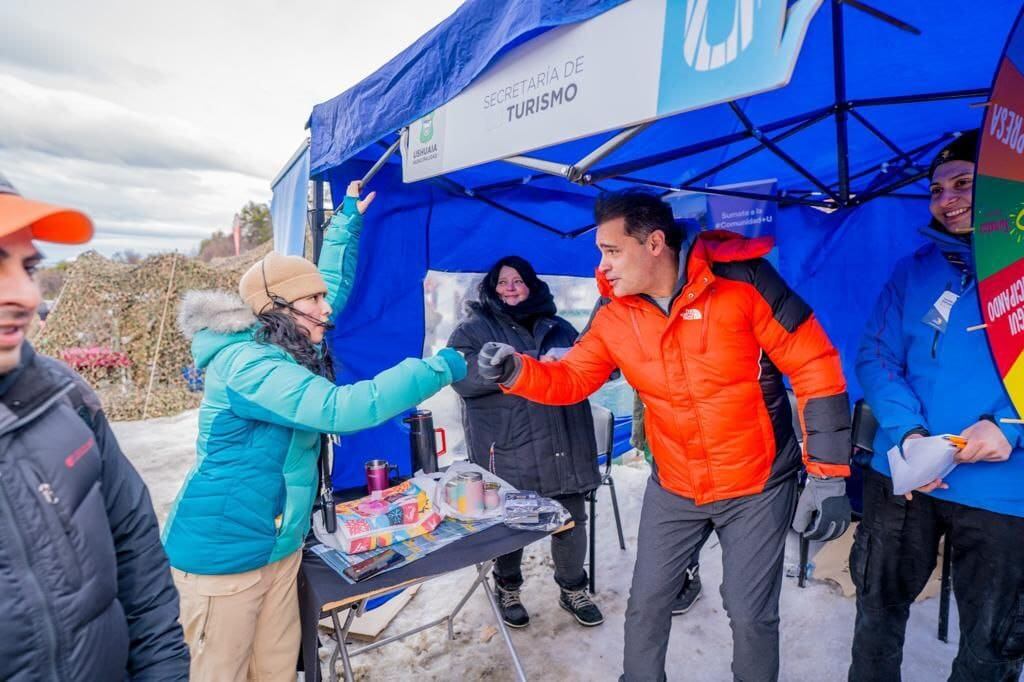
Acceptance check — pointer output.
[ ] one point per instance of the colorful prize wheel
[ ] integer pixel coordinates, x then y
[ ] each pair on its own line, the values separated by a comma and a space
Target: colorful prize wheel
999, 217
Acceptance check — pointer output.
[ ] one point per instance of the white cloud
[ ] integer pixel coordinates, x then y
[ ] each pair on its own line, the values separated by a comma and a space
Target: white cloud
145, 210
74, 125
162, 119
26, 47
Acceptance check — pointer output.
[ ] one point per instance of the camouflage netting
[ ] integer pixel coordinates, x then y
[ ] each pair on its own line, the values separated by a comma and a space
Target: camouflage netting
119, 307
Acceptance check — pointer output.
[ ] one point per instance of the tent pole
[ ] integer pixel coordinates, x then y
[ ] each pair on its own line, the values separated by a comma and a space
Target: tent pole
913, 154
382, 160
578, 170
924, 97
690, 150
881, 136
757, 148
505, 184
907, 195
455, 188
725, 192
560, 170
291, 162
758, 135
864, 198
781, 200
882, 16
317, 223
841, 105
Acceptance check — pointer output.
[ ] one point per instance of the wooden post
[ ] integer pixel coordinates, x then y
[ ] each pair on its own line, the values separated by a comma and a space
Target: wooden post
159, 337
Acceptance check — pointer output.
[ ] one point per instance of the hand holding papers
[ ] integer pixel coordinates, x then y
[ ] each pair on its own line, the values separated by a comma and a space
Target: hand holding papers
922, 461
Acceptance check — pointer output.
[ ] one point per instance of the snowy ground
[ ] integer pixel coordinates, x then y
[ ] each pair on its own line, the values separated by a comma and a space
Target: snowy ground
817, 622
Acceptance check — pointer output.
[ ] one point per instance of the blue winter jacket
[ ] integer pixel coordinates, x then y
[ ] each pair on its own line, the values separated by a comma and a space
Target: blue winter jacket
914, 376
247, 500
85, 590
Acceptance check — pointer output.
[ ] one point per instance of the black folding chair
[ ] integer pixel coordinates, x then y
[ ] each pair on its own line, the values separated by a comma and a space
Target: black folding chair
604, 432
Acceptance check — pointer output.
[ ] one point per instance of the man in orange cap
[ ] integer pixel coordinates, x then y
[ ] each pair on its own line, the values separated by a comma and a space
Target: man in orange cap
21, 221
85, 589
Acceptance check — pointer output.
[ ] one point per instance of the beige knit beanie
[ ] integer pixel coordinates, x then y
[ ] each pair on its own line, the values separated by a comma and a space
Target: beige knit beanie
287, 277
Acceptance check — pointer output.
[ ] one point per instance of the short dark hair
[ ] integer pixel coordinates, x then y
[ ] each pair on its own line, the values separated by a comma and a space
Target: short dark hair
643, 212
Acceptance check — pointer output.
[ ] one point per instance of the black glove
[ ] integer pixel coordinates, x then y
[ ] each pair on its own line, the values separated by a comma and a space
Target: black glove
498, 362
823, 512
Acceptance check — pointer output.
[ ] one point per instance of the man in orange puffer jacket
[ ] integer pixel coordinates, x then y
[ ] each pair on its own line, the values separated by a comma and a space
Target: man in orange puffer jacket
704, 336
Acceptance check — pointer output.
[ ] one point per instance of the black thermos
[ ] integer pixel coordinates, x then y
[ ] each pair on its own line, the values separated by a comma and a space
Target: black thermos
422, 442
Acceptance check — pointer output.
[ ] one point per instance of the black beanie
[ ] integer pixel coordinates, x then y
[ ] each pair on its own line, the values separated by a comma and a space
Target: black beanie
963, 148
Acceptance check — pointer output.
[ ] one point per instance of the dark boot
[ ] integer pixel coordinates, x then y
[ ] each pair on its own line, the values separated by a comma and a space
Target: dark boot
579, 604
512, 610
690, 592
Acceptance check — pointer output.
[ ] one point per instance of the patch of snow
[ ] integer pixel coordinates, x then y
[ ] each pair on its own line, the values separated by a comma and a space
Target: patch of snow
817, 622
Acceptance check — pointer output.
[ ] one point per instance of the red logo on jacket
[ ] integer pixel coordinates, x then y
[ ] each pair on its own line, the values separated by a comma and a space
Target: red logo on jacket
79, 453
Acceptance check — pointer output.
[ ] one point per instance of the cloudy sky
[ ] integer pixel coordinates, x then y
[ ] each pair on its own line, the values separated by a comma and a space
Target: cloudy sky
161, 120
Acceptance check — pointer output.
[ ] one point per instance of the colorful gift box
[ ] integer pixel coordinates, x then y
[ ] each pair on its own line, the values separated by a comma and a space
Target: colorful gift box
394, 515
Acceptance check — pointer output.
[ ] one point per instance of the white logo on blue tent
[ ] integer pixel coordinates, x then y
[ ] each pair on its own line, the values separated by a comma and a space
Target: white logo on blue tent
714, 50
698, 49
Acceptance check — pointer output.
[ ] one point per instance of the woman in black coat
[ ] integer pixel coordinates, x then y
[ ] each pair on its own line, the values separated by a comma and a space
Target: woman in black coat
534, 447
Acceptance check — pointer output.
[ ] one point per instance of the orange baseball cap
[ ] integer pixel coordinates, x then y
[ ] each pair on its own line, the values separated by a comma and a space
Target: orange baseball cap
48, 223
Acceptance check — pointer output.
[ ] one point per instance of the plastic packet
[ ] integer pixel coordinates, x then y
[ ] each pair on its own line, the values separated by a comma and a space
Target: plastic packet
526, 510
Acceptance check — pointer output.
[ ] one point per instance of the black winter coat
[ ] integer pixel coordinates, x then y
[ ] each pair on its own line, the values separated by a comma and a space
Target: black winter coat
545, 448
85, 587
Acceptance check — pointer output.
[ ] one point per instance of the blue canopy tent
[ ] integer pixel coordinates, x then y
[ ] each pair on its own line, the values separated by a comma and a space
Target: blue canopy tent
872, 96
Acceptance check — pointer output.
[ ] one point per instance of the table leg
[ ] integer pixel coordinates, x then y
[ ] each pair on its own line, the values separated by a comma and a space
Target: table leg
340, 637
481, 576
520, 673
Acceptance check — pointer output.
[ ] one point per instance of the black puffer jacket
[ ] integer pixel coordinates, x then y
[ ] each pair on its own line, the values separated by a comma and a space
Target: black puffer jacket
85, 588
548, 449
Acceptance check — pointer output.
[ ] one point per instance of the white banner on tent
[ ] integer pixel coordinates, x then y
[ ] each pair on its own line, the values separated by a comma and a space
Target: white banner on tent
637, 62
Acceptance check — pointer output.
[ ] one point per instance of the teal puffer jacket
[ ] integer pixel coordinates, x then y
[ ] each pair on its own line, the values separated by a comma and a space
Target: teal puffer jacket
247, 500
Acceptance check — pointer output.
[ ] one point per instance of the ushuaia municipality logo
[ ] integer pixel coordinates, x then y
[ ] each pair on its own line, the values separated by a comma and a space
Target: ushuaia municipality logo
427, 128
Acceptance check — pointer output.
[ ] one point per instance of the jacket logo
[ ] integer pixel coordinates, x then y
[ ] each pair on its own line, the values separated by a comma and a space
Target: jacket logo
72, 459
691, 314
47, 492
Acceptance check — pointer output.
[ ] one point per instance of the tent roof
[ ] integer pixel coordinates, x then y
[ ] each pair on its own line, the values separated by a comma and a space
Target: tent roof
931, 49
433, 70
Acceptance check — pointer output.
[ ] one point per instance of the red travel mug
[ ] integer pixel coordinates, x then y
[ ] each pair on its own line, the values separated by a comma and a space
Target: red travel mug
378, 474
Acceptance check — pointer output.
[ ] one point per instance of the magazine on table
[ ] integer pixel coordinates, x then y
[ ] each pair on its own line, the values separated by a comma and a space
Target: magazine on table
412, 549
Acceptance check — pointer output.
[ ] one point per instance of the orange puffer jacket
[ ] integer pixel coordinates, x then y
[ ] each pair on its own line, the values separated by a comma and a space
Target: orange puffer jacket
717, 416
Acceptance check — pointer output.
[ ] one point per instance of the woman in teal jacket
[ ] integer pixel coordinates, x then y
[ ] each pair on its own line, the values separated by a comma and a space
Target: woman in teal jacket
235, 534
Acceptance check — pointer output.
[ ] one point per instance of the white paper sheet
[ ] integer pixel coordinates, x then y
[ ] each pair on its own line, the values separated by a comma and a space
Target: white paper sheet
923, 460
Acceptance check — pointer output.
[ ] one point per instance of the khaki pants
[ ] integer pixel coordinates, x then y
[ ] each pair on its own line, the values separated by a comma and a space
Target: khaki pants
242, 626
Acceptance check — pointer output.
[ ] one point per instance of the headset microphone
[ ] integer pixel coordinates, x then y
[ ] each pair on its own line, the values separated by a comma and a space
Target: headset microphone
280, 302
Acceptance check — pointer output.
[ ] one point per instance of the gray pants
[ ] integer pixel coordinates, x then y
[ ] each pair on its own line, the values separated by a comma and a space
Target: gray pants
752, 531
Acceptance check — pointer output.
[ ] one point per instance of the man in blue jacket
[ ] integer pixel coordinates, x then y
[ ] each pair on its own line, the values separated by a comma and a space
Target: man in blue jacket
85, 588
923, 373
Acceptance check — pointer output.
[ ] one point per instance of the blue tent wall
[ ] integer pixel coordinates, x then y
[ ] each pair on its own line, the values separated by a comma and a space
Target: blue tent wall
838, 262
462, 222
383, 321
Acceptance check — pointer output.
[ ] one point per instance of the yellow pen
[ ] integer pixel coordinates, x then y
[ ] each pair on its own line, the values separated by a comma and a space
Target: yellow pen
956, 440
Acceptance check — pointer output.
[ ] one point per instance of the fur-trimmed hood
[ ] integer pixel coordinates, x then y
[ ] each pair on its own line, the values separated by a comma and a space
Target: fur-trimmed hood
219, 311
213, 320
